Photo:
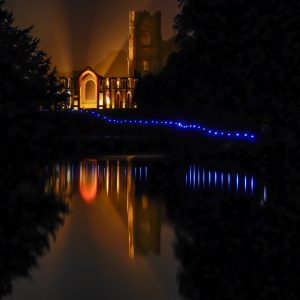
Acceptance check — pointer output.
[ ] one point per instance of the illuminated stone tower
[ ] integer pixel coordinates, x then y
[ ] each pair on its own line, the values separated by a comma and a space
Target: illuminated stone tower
145, 43
131, 47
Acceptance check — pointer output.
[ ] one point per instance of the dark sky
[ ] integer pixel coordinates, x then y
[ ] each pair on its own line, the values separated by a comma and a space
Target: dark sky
77, 33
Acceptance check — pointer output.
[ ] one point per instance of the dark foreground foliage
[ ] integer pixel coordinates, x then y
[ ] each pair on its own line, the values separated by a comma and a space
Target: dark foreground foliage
235, 246
29, 218
26, 79
27, 83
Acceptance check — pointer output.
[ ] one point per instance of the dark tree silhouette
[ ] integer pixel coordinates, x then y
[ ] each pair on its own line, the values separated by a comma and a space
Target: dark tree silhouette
26, 81
232, 246
26, 84
238, 61
28, 218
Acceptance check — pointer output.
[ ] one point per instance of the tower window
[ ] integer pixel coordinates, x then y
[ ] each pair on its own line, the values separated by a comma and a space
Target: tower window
145, 65
146, 39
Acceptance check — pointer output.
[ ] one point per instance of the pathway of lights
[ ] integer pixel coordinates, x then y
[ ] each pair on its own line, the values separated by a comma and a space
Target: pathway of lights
172, 124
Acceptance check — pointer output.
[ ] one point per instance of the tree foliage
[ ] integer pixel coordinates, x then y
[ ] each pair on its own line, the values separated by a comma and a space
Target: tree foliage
234, 245
236, 58
29, 219
26, 81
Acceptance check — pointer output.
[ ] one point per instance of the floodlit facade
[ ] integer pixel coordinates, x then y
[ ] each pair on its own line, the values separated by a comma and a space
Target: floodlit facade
89, 90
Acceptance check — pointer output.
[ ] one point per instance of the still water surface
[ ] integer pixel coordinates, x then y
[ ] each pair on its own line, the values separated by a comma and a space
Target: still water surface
139, 229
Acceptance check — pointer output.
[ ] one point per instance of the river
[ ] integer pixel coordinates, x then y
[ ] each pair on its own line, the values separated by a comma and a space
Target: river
146, 227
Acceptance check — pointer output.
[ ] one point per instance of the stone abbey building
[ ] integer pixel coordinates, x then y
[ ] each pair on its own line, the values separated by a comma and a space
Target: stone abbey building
89, 90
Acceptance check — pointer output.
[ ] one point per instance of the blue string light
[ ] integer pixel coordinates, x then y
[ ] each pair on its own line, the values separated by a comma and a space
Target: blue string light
174, 124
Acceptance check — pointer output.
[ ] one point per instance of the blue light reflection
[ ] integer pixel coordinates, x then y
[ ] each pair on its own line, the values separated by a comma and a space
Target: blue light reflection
197, 178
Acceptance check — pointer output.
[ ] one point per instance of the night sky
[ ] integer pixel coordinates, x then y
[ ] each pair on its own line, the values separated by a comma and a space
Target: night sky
78, 33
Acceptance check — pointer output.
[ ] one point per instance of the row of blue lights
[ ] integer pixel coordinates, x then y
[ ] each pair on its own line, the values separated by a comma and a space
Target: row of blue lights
198, 177
174, 124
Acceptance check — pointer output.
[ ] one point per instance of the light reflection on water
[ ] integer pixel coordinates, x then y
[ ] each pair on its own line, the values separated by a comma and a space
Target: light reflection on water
116, 243
116, 222
122, 184
198, 178
136, 226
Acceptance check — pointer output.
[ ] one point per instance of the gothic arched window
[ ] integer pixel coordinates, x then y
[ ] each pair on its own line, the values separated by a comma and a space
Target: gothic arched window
145, 39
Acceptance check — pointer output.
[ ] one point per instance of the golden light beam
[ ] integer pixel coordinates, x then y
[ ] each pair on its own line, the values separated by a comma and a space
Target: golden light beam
113, 38
48, 21
62, 36
73, 44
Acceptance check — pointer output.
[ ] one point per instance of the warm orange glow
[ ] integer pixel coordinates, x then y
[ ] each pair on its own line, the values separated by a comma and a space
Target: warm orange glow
146, 65
88, 89
88, 178
107, 177
145, 202
113, 183
107, 99
118, 178
83, 33
54, 35
118, 100
130, 212
101, 100
60, 48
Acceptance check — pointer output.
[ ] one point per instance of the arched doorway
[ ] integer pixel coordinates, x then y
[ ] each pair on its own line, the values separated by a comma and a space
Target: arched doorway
118, 100
88, 83
90, 90
107, 100
128, 100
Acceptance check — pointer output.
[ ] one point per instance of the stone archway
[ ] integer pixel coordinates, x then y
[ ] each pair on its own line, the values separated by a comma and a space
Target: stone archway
128, 100
107, 100
118, 100
88, 83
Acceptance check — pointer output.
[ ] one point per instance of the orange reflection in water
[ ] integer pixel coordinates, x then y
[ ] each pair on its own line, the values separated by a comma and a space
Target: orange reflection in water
88, 178
119, 183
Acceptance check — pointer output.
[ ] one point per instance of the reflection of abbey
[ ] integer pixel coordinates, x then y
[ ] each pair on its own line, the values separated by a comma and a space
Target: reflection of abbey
90, 90
118, 184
